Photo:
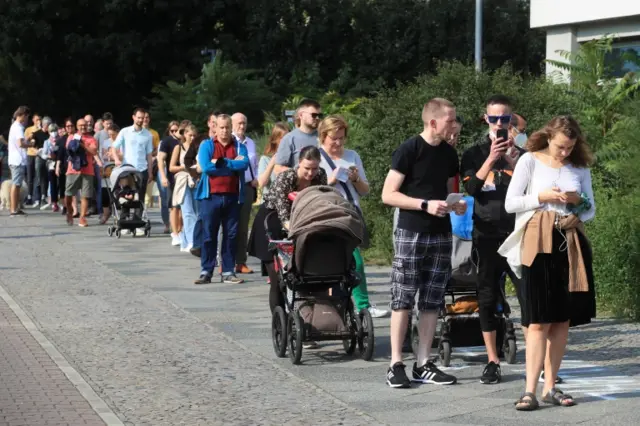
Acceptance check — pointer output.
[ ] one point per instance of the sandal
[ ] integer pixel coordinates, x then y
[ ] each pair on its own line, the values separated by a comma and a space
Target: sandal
528, 404
557, 397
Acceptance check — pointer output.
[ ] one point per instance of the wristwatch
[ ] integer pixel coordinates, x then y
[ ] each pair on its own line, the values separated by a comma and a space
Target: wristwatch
425, 205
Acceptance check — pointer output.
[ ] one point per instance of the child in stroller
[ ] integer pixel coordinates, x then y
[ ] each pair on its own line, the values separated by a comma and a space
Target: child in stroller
126, 193
129, 213
316, 273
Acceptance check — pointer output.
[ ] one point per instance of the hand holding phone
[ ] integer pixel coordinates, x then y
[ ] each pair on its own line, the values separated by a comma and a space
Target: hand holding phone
453, 198
342, 174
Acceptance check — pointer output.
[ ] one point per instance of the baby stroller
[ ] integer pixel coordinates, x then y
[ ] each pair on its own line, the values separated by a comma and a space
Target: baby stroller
128, 210
316, 273
459, 321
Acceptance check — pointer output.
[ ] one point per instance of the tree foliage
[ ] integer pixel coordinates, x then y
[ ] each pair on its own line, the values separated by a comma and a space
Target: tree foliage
67, 58
222, 86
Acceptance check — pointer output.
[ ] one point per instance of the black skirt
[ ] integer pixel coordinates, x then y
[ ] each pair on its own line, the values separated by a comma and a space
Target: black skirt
545, 288
258, 240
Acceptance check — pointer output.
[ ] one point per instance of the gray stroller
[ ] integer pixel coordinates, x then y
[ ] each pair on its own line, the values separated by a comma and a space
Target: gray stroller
129, 212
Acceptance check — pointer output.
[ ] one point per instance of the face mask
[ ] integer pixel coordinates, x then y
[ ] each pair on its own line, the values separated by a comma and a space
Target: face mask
520, 140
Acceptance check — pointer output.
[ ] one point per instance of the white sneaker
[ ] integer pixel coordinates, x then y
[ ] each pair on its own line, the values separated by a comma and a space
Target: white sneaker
45, 206
175, 240
377, 312
139, 232
310, 345
186, 249
126, 232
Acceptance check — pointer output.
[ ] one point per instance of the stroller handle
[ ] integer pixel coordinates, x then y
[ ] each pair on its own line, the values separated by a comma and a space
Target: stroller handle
266, 224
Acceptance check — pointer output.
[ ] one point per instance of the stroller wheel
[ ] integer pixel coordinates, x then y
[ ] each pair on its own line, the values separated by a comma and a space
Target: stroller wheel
510, 350
354, 328
445, 353
118, 233
295, 336
110, 231
366, 338
147, 233
279, 332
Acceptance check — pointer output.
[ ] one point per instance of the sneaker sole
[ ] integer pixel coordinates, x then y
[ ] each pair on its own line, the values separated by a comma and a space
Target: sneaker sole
490, 382
431, 382
399, 386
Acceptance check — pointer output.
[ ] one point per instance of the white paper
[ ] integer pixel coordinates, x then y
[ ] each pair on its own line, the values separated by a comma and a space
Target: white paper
453, 198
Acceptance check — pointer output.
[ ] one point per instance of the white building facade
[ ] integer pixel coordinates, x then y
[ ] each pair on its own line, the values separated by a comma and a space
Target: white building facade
569, 23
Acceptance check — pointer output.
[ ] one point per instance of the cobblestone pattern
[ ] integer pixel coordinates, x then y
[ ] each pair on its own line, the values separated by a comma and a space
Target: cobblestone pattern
153, 363
33, 390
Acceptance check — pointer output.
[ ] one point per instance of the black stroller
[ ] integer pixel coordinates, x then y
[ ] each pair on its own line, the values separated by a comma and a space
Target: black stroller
316, 273
459, 322
128, 214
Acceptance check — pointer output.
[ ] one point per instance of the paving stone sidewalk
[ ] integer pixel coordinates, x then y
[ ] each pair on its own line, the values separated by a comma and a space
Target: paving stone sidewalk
161, 351
33, 389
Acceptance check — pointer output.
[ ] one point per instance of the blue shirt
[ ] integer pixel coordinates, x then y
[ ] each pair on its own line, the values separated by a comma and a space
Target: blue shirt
135, 146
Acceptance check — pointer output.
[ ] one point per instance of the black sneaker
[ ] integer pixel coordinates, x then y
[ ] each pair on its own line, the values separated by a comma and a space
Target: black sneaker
204, 279
397, 378
491, 374
429, 373
195, 251
18, 213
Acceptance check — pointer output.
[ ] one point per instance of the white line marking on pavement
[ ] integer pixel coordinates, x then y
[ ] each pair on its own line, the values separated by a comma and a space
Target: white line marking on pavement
98, 405
580, 376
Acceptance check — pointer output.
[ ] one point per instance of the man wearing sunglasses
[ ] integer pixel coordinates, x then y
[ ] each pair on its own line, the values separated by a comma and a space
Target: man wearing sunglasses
486, 169
310, 115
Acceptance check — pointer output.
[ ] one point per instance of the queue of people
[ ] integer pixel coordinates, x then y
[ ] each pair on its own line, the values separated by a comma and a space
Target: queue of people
532, 196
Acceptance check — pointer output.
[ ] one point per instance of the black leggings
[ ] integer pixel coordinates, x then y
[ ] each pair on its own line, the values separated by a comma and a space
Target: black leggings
276, 298
491, 266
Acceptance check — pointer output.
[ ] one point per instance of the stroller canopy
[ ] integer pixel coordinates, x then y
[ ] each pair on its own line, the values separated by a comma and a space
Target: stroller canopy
322, 209
124, 171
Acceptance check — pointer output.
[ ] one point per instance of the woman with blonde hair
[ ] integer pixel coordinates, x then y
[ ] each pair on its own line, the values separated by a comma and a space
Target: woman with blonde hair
345, 172
552, 196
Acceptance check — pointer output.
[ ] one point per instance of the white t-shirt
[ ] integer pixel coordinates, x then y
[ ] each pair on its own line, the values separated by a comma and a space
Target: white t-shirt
17, 154
349, 158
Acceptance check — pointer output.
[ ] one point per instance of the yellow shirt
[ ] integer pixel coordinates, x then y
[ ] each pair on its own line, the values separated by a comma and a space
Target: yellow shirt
156, 139
32, 152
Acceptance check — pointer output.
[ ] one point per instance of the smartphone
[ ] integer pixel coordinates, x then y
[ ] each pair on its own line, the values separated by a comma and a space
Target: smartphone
453, 198
502, 134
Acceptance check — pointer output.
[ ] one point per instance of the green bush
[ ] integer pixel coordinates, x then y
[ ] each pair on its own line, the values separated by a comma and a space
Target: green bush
394, 115
615, 238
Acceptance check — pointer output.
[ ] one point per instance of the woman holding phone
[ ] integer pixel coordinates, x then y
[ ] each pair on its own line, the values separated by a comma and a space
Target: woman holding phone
552, 196
345, 172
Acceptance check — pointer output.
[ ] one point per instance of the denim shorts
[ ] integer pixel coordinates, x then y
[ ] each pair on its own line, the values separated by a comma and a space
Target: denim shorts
18, 174
422, 264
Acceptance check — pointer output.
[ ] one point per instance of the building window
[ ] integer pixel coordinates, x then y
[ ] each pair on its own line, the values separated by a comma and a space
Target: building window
624, 58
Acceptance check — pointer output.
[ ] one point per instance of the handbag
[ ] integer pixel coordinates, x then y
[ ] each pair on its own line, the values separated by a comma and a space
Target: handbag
347, 191
255, 192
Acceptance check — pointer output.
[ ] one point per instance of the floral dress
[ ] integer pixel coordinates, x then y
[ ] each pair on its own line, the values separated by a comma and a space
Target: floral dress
287, 182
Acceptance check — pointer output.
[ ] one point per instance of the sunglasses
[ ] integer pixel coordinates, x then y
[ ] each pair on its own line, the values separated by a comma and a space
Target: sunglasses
493, 119
316, 115
173, 130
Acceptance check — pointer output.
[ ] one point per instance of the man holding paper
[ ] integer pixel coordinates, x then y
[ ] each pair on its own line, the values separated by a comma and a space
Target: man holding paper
422, 171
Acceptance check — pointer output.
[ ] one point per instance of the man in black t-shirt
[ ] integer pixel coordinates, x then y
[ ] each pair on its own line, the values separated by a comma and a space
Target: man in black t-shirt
420, 179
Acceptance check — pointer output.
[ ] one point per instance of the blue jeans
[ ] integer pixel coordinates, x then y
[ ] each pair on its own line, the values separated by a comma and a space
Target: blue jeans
215, 211
189, 217
164, 200
197, 229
